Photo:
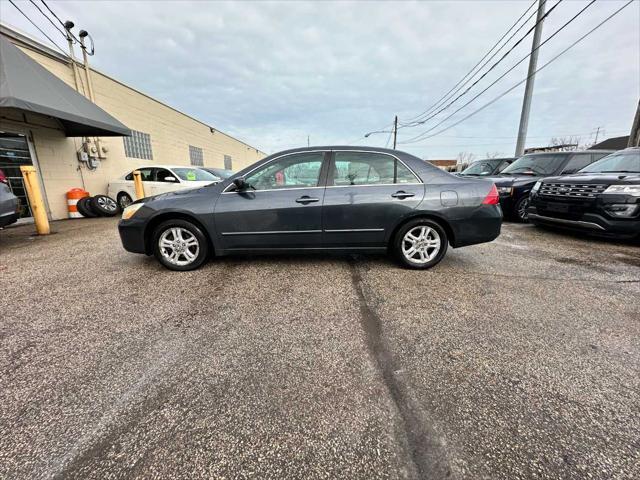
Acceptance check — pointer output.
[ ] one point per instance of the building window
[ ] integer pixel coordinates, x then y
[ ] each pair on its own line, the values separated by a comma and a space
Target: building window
228, 163
138, 145
196, 156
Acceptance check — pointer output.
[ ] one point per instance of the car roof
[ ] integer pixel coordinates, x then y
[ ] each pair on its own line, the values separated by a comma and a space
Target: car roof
166, 166
572, 152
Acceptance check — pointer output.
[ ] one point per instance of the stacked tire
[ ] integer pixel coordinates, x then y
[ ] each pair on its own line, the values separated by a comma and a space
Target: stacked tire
98, 206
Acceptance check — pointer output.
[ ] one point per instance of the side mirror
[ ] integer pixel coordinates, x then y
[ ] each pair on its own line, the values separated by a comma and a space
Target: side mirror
240, 183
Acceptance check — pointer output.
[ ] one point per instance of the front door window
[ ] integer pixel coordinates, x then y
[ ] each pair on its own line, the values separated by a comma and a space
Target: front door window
293, 171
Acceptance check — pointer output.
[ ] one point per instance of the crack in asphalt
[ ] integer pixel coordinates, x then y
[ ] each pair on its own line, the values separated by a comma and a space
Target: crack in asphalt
425, 448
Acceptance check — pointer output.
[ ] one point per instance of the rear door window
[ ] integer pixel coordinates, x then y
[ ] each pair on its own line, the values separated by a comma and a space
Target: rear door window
364, 168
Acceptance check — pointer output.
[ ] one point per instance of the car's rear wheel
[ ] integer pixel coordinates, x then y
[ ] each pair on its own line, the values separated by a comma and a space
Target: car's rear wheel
180, 245
420, 244
124, 200
520, 210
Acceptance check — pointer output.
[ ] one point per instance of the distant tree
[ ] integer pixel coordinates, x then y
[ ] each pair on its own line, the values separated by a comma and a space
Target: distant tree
565, 144
465, 157
494, 154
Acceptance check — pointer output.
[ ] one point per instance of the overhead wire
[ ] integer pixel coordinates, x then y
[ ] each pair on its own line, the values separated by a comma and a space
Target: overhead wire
423, 137
572, 19
447, 95
39, 29
433, 115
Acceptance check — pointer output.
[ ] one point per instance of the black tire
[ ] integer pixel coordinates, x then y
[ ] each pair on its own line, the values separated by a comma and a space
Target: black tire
520, 213
124, 200
84, 207
104, 206
163, 254
401, 245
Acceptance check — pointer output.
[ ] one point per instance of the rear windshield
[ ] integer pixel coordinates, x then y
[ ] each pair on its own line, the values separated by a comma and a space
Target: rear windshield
482, 167
537, 164
620, 162
194, 175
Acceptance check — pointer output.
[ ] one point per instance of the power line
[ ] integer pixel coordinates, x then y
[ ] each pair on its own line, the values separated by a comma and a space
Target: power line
421, 135
59, 21
47, 17
39, 29
500, 61
521, 82
446, 95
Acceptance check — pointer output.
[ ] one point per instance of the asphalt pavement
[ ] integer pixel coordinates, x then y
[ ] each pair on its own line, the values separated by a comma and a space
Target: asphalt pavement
511, 360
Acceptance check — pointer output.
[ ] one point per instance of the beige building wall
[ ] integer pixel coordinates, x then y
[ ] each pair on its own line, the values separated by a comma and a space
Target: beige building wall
171, 134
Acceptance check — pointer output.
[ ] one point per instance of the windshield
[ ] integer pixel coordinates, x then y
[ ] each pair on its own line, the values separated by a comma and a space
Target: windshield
194, 175
536, 164
482, 167
617, 162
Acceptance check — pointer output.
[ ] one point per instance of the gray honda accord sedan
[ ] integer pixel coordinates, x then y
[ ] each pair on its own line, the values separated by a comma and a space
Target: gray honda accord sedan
352, 199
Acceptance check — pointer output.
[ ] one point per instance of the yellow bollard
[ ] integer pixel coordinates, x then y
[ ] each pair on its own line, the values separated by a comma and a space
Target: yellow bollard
137, 179
35, 199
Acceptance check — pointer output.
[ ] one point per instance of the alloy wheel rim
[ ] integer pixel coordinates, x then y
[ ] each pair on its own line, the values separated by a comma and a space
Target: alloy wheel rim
421, 244
125, 201
179, 246
107, 204
522, 211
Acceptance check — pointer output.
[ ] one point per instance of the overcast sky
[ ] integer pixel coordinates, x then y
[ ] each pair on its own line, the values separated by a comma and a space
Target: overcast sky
273, 73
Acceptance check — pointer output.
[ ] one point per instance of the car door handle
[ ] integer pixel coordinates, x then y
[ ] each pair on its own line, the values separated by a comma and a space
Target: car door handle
402, 194
306, 199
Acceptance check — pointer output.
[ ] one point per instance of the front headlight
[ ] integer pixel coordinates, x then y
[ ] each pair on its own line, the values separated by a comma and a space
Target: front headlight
633, 190
537, 186
131, 210
505, 190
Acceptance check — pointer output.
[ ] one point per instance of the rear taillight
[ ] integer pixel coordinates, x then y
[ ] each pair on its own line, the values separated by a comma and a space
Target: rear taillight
492, 197
3, 177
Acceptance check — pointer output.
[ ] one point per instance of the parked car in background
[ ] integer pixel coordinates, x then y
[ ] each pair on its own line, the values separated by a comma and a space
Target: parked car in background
221, 173
9, 203
354, 199
159, 179
489, 166
515, 182
602, 198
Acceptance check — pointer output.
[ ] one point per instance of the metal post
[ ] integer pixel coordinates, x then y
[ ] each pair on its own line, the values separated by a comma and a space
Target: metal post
87, 70
137, 180
69, 25
528, 90
36, 202
395, 132
634, 135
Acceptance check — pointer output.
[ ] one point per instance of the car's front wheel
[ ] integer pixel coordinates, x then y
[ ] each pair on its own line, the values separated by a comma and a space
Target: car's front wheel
420, 244
180, 245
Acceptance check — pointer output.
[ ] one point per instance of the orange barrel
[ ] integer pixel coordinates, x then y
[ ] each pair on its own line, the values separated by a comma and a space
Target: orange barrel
73, 196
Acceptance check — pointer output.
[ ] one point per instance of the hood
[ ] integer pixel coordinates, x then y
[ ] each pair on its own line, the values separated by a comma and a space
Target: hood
513, 180
597, 178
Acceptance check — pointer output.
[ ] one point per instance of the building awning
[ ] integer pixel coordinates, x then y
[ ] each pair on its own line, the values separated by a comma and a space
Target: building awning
28, 86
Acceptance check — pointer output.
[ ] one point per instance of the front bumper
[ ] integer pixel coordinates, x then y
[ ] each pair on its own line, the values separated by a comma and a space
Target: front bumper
483, 225
589, 222
132, 235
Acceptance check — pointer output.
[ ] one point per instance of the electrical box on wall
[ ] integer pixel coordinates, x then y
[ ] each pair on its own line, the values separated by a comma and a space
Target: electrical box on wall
83, 156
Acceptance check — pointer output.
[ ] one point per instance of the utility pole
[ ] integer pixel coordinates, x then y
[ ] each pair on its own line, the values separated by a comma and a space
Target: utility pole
597, 132
528, 89
308, 140
68, 25
395, 132
634, 135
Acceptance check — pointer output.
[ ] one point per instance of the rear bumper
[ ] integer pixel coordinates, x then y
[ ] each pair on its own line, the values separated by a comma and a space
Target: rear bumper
483, 225
589, 222
132, 235
8, 219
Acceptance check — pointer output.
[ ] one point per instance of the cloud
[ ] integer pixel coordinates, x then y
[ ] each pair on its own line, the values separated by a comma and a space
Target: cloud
273, 73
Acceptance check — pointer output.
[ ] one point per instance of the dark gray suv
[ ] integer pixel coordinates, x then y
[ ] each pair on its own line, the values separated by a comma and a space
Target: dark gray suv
354, 199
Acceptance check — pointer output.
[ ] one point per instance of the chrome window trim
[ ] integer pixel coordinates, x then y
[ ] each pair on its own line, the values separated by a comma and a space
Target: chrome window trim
273, 190
375, 185
419, 182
